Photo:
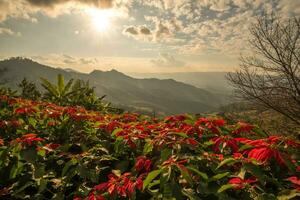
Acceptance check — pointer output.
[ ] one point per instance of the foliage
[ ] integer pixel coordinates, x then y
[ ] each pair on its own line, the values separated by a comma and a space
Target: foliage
7, 91
75, 93
29, 90
54, 152
267, 120
58, 93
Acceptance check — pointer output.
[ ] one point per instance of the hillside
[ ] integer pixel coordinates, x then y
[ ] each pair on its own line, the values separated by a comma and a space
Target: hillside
212, 81
166, 96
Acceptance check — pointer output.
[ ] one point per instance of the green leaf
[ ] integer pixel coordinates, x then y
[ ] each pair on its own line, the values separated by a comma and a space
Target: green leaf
244, 147
68, 165
219, 176
42, 152
29, 155
42, 185
181, 134
255, 170
260, 132
266, 196
148, 147
185, 174
165, 154
225, 187
60, 83
202, 174
228, 161
32, 122
26, 185
49, 87
116, 131
289, 164
152, 175
16, 170
190, 194
68, 86
39, 171
167, 191
242, 173
122, 165
290, 195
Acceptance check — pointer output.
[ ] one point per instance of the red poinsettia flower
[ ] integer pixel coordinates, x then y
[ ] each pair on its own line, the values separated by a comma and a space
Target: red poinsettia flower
29, 139
187, 129
123, 185
237, 156
3, 124
25, 110
52, 123
225, 141
175, 118
239, 183
1, 142
213, 156
130, 135
53, 114
243, 127
143, 164
211, 124
15, 123
93, 196
173, 161
52, 146
295, 181
111, 126
4, 98
264, 149
191, 141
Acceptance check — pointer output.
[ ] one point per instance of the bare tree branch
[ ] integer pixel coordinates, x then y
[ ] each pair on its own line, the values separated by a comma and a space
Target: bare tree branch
271, 77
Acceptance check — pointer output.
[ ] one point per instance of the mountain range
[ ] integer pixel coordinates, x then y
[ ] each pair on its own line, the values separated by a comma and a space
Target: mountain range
215, 82
164, 96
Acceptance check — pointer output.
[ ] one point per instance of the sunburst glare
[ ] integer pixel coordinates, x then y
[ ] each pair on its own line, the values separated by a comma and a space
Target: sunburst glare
101, 19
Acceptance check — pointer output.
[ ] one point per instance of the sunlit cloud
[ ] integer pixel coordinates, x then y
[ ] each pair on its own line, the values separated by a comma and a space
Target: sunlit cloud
135, 30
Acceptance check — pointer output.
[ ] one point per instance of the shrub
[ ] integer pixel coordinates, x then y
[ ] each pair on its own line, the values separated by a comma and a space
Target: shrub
54, 152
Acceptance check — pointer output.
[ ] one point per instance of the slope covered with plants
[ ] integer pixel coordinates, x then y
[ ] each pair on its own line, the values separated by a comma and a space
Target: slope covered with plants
54, 152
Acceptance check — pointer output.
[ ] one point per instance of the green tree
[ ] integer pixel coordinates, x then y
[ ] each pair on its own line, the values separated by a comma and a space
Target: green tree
29, 90
59, 93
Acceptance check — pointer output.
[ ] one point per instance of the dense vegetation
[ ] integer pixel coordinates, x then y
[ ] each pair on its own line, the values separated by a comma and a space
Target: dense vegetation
68, 152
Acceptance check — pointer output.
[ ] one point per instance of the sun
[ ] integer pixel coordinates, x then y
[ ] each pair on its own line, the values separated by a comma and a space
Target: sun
101, 19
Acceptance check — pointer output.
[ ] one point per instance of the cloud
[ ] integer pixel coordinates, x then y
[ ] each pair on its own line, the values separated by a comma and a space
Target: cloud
167, 60
7, 31
138, 32
131, 30
27, 8
144, 30
216, 5
289, 8
52, 3
70, 60
162, 30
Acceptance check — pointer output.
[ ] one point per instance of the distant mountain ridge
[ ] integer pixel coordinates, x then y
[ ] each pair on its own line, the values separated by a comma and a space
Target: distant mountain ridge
166, 96
211, 81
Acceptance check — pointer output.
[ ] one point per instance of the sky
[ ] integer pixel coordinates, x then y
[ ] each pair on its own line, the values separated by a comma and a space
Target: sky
149, 36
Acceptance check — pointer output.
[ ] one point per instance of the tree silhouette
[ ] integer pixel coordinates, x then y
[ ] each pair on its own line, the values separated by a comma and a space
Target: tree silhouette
271, 77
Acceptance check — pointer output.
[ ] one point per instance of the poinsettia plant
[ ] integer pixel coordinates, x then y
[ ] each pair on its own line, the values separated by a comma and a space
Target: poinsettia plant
55, 152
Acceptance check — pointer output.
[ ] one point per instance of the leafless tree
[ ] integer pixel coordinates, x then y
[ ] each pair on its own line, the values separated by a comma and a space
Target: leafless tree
271, 76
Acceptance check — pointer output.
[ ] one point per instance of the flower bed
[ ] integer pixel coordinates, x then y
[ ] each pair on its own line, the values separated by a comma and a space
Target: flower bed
53, 152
